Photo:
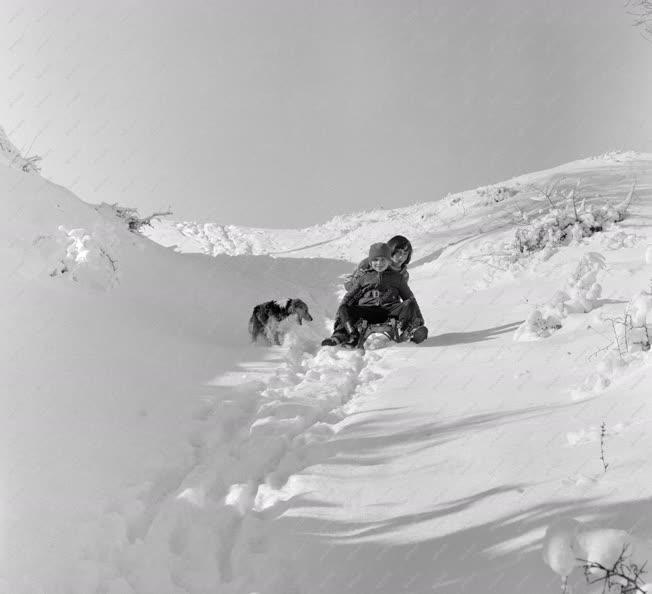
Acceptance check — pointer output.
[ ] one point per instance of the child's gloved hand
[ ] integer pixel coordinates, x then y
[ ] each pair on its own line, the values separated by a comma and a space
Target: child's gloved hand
353, 338
354, 335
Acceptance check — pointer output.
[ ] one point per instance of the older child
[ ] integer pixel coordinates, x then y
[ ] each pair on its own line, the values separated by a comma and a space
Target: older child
377, 295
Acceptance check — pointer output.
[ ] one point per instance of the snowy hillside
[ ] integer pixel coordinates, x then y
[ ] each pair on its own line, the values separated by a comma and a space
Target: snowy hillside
111, 347
150, 449
431, 224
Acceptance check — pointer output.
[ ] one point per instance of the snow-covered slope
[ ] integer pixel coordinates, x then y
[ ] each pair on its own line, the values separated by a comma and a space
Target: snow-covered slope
110, 345
149, 449
431, 225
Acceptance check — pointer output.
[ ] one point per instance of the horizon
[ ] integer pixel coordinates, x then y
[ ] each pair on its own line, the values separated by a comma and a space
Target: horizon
285, 115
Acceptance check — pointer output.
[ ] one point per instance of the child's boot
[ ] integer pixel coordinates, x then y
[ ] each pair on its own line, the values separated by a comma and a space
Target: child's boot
419, 334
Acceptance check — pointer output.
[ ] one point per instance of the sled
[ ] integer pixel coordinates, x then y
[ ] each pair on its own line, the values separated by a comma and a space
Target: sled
377, 335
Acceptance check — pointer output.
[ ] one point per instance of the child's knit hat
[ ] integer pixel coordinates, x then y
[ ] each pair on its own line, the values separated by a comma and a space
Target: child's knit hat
379, 250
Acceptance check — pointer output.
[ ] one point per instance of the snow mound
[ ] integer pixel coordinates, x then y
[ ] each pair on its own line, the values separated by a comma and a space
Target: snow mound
609, 556
561, 548
86, 260
580, 296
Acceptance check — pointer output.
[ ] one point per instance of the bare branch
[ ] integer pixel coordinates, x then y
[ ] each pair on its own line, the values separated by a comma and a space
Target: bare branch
642, 11
603, 433
624, 574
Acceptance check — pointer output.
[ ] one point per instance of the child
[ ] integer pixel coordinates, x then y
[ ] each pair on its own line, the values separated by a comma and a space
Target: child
401, 254
377, 295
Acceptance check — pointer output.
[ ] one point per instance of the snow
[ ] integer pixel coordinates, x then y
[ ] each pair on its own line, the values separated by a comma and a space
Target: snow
561, 549
150, 448
569, 545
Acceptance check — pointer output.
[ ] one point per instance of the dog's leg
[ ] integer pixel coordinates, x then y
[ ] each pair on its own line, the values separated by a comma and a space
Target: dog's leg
254, 328
261, 322
268, 333
272, 331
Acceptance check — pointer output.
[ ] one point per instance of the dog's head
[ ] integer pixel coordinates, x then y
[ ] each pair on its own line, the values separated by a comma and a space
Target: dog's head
296, 306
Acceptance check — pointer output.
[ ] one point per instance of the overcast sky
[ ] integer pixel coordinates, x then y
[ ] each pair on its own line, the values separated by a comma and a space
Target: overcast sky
283, 113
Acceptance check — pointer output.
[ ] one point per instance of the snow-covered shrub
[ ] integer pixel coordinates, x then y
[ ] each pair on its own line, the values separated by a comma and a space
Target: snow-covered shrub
637, 337
630, 330
580, 296
496, 193
617, 156
86, 258
582, 286
536, 326
626, 350
614, 557
610, 367
623, 575
567, 223
129, 215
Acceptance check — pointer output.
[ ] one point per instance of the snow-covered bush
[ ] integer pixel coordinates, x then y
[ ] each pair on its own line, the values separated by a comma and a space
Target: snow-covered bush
617, 156
637, 337
567, 222
628, 347
580, 296
612, 557
496, 193
86, 258
129, 215
582, 286
630, 330
536, 326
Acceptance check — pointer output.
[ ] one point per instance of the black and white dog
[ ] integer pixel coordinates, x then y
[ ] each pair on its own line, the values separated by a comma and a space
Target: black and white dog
266, 320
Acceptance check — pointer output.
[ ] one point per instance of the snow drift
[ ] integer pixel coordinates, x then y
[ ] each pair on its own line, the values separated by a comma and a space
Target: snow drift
111, 344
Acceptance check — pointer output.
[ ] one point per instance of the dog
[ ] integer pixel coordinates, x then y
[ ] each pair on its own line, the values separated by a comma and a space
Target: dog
265, 321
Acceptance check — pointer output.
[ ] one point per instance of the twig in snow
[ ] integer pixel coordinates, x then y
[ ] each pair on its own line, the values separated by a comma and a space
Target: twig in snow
603, 434
624, 574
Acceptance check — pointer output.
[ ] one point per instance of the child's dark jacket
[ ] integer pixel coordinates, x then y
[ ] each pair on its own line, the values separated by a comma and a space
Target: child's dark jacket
379, 288
365, 266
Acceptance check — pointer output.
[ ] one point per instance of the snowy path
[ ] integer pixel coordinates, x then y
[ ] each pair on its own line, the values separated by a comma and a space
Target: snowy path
199, 522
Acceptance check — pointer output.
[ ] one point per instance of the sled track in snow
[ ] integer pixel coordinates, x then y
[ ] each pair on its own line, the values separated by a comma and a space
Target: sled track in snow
206, 523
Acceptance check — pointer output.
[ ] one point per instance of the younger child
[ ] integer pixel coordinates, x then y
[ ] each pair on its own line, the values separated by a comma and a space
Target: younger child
377, 295
401, 254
